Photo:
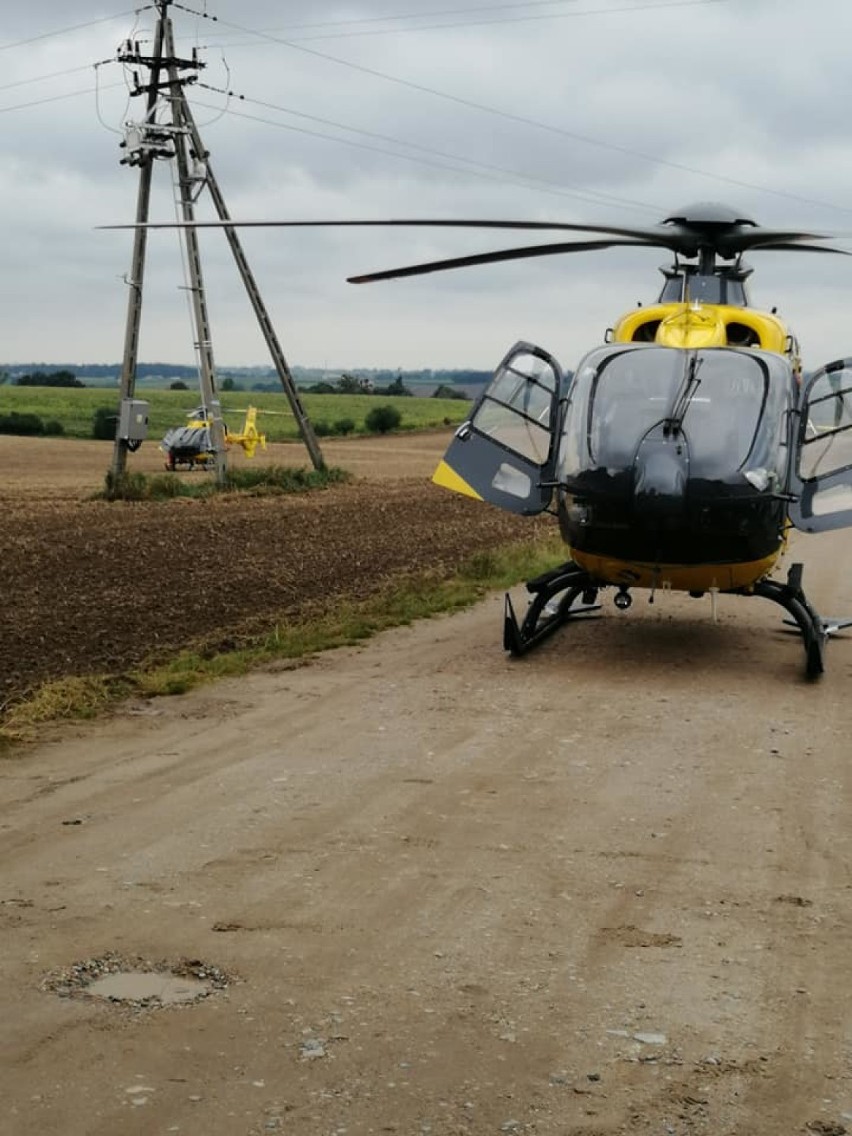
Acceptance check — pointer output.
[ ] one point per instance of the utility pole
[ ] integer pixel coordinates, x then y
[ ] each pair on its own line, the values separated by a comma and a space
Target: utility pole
201, 320
179, 140
137, 270
284, 374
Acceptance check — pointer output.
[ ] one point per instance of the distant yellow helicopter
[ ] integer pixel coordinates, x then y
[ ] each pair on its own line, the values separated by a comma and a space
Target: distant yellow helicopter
191, 446
681, 450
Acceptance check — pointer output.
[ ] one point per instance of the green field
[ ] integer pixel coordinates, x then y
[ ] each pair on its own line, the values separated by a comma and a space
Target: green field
75, 408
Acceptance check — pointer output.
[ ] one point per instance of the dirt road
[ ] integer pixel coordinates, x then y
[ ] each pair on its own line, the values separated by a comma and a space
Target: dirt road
604, 889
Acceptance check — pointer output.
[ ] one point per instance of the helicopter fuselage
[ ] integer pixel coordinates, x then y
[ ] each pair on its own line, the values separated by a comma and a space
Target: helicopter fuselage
673, 462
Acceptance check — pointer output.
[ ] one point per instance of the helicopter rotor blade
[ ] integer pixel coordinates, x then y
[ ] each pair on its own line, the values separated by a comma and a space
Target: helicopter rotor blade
494, 257
700, 228
655, 233
790, 246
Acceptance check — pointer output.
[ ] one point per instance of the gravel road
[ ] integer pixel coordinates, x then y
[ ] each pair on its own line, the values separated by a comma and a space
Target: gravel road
428, 890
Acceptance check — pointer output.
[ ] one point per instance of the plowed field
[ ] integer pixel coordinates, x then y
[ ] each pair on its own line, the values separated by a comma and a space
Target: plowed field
93, 586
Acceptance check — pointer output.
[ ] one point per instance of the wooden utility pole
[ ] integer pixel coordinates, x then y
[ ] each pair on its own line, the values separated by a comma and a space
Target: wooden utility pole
201, 320
137, 270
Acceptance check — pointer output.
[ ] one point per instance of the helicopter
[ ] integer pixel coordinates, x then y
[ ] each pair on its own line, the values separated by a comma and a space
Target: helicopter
682, 449
191, 446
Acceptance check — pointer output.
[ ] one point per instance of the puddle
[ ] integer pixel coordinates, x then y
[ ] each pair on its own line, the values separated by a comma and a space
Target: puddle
138, 983
148, 986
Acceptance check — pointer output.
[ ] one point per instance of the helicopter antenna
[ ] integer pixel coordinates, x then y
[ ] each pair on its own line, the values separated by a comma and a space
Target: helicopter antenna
179, 140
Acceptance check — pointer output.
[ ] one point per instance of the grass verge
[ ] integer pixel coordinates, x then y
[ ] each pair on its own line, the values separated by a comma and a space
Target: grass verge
343, 623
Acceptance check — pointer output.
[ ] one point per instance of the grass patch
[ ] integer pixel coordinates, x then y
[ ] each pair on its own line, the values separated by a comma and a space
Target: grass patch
255, 482
343, 623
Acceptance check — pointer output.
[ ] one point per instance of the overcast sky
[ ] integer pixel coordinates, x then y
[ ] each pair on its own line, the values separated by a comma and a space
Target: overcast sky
571, 110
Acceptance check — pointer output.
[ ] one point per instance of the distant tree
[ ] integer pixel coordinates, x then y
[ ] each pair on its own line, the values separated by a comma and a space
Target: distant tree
55, 379
178, 385
445, 391
398, 387
321, 388
352, 384
382, 419
227, 384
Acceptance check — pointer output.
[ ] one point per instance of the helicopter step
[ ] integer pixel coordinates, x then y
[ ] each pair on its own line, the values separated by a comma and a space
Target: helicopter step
555, 594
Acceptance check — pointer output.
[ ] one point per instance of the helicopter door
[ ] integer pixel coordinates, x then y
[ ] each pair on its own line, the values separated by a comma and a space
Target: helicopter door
822, 474
505, 453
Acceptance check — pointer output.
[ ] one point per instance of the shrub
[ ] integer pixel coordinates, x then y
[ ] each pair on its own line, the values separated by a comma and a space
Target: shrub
54, 427
178, 385
322, 429
344, 426
25, 424
103, 423
382, 419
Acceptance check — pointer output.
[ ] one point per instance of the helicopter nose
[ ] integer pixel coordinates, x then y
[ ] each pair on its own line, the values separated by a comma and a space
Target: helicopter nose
661, 474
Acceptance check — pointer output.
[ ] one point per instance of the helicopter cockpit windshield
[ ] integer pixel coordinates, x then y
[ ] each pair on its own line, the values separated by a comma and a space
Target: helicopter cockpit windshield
714, 402
691, 287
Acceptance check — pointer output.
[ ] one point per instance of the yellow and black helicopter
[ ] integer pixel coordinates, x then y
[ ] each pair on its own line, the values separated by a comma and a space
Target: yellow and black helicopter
191, 446
681, 450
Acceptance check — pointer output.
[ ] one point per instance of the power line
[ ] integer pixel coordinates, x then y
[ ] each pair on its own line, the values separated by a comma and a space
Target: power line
521, 119
594, 196
75, 27
511, 20
399, 16
49, 75
59, 98
292, 41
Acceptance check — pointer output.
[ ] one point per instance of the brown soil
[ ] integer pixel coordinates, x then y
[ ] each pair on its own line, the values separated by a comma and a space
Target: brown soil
600, 891
98, 586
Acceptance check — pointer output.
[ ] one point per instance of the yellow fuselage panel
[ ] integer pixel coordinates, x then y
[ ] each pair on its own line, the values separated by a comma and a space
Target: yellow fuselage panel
447, 478
678, 577
694, 326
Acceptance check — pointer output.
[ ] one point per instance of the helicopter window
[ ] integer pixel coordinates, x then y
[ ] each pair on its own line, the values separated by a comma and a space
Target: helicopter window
632, 393
827, 445
718, 401
516, 409
725, 413
714, 289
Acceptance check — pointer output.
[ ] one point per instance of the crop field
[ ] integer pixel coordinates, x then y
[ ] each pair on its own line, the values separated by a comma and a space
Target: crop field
103, 586
75, 408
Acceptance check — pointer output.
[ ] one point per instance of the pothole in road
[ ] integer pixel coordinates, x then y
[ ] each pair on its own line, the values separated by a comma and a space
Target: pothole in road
144, 986
138, 983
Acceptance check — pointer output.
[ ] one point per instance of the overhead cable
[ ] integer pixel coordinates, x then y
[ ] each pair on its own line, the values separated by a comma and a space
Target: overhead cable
598, 197
76, 27
59, 98
557, 130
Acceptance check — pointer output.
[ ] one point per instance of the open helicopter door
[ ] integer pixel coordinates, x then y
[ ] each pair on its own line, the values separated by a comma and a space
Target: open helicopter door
505, 452
822, 458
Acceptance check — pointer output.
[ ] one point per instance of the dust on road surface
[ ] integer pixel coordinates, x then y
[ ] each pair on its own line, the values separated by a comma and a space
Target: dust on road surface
603, 889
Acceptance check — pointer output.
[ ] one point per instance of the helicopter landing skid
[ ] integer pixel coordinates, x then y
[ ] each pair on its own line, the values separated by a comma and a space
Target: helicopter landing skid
554, 595
815, 630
